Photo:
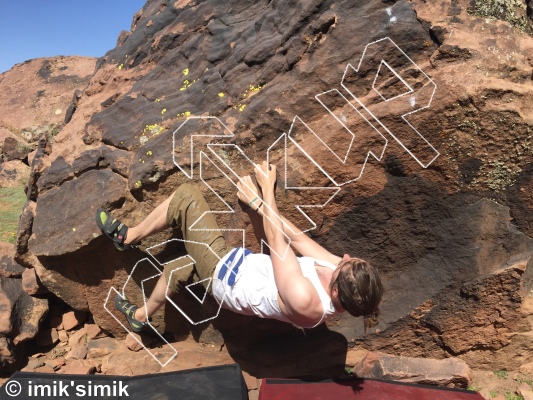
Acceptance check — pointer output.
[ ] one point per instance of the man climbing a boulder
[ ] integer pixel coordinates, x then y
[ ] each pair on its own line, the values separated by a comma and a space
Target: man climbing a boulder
304, 291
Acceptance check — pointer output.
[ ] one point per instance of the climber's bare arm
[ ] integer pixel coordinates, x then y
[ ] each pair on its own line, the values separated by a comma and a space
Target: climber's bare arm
299, 300
299, 241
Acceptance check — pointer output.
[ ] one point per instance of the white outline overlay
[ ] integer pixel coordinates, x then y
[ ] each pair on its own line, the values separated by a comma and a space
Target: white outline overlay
184, 266
403, 115
112, 289
397, 76
204, 157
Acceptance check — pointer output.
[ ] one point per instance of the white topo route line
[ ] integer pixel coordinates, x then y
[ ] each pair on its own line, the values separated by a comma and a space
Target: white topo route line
375, 60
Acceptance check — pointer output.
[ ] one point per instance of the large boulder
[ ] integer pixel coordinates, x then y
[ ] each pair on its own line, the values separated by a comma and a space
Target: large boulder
410, 116
481, 322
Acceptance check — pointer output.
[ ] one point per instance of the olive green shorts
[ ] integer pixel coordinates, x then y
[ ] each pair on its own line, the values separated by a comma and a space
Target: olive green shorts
203, 239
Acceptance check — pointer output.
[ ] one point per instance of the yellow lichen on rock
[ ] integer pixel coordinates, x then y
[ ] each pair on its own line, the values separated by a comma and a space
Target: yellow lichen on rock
512, 11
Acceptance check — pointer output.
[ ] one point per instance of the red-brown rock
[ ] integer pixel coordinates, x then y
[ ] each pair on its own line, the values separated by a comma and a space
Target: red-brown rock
129, 363
14, 173
55, 363
72, 319
5, 349
79, 367
9, 268
101, 347
34, 97
78, 352
45, 369
137, 342
63, 336
527, 394
476, 319
450, 371
31, 283
527, 369
251, 381
42, 85
78, 338
456, 270
94, 331
55, 319
14, 149
4, 133
35, 363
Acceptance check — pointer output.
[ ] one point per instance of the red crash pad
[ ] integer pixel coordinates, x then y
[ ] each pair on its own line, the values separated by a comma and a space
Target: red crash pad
357, 389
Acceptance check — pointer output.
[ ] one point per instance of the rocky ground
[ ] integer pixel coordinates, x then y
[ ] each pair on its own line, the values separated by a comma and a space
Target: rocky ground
501, 384
70, 343
505, 384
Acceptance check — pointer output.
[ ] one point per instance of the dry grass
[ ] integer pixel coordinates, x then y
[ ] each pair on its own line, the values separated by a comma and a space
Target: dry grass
12, 200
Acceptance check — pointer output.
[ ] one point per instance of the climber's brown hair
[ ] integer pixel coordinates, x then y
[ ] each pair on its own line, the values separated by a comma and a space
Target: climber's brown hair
360, 290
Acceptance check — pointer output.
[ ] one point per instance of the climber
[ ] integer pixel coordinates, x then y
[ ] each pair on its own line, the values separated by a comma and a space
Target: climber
303, 291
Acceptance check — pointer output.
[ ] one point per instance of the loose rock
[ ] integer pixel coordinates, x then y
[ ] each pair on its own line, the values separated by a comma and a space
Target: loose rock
78, 353
78, 338
81, 367
450, 371
72, 319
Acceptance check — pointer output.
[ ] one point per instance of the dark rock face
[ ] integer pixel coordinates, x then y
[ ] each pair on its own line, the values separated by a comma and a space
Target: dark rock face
57, 214
456, 270
10, 268
444, 245
14, 149
471, 321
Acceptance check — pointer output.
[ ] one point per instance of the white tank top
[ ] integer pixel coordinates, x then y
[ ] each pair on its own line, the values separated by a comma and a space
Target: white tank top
252, 289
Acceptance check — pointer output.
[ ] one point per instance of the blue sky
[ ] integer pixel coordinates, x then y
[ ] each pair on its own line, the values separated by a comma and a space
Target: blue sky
38, 28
